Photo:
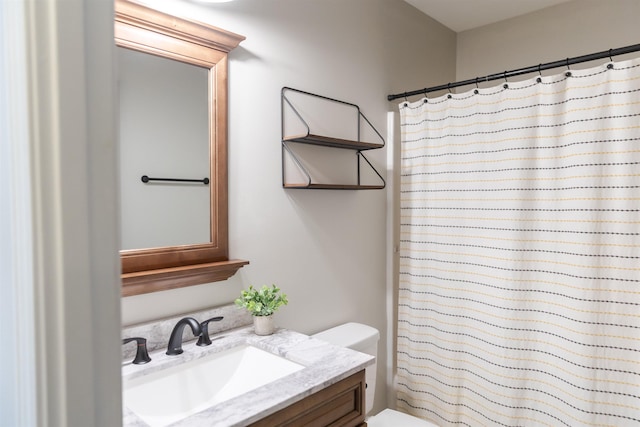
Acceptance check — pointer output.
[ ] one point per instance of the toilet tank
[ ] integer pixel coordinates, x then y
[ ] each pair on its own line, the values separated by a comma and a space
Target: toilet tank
358, 337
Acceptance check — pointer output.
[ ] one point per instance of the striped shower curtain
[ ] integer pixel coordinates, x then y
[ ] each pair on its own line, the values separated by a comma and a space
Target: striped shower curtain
519, 300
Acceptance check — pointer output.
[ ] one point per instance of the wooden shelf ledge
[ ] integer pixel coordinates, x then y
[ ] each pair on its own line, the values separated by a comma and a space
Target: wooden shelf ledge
162, 279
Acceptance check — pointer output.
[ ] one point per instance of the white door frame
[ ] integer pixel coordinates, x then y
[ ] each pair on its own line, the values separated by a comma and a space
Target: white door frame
63, 208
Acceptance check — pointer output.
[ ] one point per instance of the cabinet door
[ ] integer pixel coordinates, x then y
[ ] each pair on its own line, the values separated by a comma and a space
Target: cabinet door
341, 404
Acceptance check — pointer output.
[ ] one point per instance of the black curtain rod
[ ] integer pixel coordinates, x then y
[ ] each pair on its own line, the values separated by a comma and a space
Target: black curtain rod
533, 69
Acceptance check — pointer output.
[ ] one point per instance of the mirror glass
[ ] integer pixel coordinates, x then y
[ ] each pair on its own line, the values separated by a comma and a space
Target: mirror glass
164, 133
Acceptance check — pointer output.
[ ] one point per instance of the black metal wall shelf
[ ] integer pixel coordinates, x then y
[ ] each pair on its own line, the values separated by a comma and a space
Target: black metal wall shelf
326, 141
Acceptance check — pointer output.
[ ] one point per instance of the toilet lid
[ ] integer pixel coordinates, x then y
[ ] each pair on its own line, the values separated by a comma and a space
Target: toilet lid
391, 418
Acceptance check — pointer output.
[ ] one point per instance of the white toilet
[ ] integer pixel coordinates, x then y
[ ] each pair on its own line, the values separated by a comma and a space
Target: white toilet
364, 339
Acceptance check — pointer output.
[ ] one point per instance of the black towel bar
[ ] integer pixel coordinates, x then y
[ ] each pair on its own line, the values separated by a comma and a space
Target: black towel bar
146, 179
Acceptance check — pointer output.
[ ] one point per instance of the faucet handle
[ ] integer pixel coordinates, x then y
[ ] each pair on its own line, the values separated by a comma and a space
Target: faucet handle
204, 339
142, 355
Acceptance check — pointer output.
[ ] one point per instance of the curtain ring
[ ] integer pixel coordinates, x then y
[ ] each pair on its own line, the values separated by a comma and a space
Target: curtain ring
610, 64
568, 73
449, 89
426, 98
539, 79
505, 85
477, 87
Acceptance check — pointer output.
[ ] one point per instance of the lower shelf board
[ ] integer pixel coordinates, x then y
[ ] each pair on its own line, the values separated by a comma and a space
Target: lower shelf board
334, 186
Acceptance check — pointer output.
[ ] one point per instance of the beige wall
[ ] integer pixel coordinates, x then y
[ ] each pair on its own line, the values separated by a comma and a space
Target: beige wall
325, 249
570, 29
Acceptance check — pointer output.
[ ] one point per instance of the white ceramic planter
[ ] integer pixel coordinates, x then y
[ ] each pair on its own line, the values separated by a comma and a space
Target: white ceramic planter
264, 325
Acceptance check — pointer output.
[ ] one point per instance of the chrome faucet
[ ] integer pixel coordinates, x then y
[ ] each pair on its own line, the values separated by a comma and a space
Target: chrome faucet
204, 339
175, 341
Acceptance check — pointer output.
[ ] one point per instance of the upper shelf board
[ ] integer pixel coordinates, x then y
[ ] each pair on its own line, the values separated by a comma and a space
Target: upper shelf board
332, 142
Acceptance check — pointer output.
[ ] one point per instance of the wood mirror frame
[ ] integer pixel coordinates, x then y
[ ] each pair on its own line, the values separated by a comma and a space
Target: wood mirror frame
147, 30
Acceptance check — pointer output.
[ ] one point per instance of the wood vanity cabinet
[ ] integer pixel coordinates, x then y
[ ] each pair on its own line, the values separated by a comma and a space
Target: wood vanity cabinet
341, 404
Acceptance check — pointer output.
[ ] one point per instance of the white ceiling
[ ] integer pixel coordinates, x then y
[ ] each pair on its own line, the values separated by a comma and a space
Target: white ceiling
461, 15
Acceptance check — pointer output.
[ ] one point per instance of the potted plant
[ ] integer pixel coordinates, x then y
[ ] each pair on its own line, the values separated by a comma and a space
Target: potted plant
262, 303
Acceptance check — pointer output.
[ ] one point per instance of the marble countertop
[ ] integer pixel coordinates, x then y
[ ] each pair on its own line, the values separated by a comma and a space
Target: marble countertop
325, 364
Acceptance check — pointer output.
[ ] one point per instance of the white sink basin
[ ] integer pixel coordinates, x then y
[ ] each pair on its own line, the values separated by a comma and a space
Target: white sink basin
167, 396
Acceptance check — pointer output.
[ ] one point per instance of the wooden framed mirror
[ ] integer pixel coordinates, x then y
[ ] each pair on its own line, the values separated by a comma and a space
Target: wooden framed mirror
155, 264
